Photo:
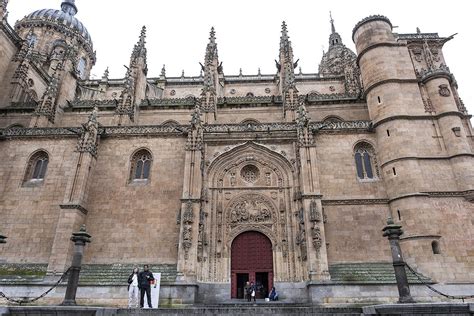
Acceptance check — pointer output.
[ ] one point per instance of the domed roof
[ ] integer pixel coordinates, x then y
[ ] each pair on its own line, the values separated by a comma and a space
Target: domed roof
64, 19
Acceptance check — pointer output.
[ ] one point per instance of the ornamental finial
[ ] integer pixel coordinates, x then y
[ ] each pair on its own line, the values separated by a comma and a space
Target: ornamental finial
69, 7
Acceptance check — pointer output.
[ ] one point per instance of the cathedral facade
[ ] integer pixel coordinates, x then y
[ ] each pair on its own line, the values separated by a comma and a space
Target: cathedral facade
283, 179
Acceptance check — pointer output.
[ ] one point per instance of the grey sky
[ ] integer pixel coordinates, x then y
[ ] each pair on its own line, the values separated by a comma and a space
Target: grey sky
248, 31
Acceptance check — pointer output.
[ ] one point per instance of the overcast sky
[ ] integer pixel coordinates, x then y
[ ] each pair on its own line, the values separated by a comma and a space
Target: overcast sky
248, 31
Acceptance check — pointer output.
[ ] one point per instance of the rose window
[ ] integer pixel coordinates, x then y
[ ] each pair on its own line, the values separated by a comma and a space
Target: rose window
250, 173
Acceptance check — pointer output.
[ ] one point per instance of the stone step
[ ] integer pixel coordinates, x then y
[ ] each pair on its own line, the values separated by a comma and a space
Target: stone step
254, 309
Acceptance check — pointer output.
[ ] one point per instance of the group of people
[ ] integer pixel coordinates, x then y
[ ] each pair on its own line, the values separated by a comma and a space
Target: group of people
140, 282
250, 292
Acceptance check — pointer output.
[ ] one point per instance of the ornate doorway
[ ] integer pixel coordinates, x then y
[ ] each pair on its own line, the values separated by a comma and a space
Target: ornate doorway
251, 260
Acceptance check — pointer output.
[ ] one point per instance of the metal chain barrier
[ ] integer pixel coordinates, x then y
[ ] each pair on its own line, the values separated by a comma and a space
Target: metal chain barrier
31, 300
435, 290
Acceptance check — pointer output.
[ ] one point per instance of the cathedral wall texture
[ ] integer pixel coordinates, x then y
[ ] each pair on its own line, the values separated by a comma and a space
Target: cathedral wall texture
135, 222
424, 221
341, 182
30, 211
342, 223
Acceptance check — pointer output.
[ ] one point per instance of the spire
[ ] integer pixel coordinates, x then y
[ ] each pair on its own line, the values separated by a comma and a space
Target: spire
140, 50
286, 65
333, 28
286, 71
69, 7
284, 39
211, 49
334, 38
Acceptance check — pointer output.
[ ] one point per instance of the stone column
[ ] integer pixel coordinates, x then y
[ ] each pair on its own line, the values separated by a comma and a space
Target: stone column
73, 210
191, 202
314, 225
311, 197
80, 239
393, 233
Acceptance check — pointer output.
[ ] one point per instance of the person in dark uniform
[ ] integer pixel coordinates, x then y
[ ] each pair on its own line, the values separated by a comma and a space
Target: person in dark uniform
144, 279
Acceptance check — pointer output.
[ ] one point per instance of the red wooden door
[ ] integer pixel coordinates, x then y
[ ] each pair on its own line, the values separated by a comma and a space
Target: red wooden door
251, 253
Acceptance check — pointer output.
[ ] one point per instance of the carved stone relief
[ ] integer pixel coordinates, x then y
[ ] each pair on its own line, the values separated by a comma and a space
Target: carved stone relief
444, 90
251, 208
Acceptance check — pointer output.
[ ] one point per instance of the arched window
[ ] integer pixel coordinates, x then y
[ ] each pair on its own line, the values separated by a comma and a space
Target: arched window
141, 165
81, 68
365, 161
36, 168
435, 247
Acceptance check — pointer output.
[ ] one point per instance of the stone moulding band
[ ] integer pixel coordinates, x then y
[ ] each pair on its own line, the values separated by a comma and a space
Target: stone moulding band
181, 130
369, 48
419, 117
415, 237
377, 84
425, 158
355, 202
74, 207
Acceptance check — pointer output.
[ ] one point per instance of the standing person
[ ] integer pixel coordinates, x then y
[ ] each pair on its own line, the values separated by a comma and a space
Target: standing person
133, 289
253, 292
247, 291
144, 279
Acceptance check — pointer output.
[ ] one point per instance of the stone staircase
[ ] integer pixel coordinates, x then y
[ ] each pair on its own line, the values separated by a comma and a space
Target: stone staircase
261, 308
117, 274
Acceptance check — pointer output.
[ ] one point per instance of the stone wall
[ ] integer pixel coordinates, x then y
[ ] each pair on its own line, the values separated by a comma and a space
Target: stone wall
29, 211
135, 222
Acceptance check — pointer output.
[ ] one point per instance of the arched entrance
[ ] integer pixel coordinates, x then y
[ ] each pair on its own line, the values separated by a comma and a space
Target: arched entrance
251, 260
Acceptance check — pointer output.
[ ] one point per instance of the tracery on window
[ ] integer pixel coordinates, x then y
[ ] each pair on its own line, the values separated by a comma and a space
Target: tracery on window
141, 165
366, 162
36, 168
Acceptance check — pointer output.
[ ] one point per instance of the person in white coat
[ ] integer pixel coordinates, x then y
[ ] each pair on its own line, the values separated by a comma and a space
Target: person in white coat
133, 289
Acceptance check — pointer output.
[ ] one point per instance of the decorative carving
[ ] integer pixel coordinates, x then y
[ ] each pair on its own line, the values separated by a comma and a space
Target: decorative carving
250, 173
314, 214
187, 239
232, 178
188, 219
316, 237
89, 137
444, 90
417, 53
250, 208
47, 105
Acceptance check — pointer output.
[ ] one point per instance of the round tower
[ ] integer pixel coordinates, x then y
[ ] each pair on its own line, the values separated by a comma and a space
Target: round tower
393, 95
416, 121
406, 133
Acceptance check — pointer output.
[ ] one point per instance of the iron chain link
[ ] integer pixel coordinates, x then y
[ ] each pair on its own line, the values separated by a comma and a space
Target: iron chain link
31, 300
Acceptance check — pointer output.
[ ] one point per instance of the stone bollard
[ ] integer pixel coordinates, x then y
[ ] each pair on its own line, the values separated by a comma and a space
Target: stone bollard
393, 233
3, 239
80, 239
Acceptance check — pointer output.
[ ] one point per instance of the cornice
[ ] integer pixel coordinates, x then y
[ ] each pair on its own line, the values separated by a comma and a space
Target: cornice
354, 202
11, 34
425, 158
384, 44
436, 194
368, 19
74, 207
419, 117
377, 84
